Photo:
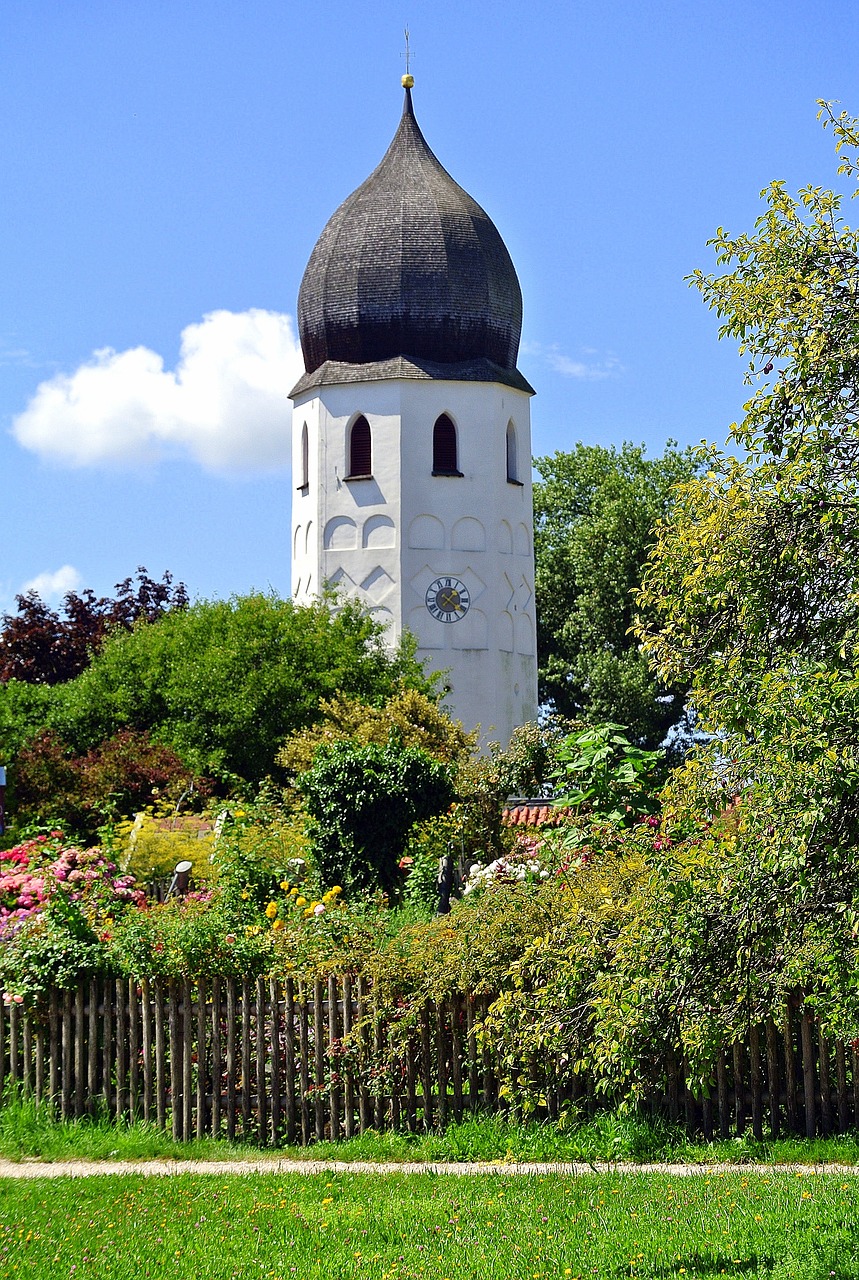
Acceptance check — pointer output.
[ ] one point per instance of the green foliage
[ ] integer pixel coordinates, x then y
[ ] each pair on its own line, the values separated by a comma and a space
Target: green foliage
600, 771
362, 801
752, 596
415, 718
55, 948
224, 682
469, 950
259, 844
194, 937
428, 842
595, 511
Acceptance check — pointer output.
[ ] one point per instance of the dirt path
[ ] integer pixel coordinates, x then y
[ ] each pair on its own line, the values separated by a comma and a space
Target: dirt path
31, 1168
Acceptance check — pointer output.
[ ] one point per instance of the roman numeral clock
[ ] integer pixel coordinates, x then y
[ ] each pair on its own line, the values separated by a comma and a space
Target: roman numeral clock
447, 599
412, 434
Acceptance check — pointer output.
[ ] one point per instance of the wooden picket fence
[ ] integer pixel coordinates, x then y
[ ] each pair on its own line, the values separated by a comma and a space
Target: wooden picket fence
261, 1059
291, 1062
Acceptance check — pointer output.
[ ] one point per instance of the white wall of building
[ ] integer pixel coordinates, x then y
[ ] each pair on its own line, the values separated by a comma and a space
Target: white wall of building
385, 539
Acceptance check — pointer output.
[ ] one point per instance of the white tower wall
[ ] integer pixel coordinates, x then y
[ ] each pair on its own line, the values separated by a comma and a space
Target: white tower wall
384, 539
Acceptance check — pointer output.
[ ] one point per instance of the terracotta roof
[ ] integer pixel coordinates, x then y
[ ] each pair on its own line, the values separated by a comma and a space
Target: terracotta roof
533, 813
410, 265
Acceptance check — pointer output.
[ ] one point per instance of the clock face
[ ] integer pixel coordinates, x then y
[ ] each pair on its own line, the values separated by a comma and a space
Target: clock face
447, 599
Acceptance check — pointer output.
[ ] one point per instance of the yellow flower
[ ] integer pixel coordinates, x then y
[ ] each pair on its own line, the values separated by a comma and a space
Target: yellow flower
245, 894
239, 813
335, 888
293, 893
284, 884
308, 912
271, 910
301, 901
278, 924
314, 903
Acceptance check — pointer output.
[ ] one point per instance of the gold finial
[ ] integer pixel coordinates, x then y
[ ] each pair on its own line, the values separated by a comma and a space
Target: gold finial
408, 79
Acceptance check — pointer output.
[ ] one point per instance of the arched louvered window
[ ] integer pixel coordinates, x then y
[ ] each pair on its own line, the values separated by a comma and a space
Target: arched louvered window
444, 454
512, 460
305, 459
360, 453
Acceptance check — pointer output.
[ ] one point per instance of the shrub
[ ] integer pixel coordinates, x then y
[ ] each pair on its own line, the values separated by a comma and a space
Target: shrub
116, 778
156, 841
202, 934
260, 843
362, 801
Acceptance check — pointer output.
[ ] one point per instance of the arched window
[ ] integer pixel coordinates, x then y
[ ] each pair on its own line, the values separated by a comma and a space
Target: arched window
512, 459
360, 454
305, 459
444, 459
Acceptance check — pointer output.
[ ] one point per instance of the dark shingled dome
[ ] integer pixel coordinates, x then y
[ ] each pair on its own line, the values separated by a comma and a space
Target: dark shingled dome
410, 266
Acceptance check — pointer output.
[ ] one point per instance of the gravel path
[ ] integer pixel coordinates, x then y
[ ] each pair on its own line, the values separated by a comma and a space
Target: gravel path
31, 1168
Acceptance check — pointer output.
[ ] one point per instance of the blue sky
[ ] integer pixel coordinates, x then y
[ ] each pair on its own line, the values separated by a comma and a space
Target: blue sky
168, 166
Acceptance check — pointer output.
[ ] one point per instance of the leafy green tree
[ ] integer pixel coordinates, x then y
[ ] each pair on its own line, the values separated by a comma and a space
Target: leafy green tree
362, 801
601, 772
595, 513
752, 593
222, 682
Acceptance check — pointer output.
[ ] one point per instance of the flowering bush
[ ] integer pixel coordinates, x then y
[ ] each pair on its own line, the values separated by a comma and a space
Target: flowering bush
58, 905
31, 874
530, 860
199, 935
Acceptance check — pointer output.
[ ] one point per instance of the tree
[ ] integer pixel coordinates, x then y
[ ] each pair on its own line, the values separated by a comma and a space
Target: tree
752, 592
40, 646
224, 682
595, 512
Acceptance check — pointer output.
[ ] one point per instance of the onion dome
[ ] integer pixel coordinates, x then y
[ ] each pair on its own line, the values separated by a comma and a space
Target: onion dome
410, 276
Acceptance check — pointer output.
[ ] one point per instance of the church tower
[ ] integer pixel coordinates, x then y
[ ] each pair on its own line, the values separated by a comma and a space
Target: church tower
411, 431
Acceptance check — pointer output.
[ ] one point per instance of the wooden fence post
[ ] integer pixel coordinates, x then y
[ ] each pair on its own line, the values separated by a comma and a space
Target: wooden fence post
349, 1075
333, 1047
806, 1029
274, 1067
259, 1032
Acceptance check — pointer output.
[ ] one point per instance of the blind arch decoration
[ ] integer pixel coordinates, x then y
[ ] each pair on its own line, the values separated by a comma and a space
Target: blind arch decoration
445, 457
360, 448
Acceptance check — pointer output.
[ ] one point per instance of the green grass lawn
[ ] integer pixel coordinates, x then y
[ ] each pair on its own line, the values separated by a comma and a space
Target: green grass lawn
389, 1227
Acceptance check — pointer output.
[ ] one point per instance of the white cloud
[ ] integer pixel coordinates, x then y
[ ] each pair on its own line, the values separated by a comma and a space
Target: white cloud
52, 586
589, 367
15, 356
225, 404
